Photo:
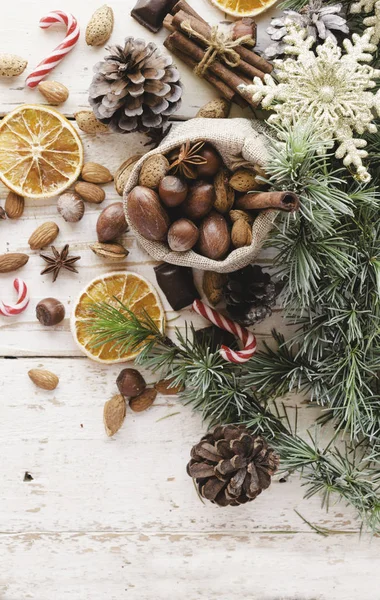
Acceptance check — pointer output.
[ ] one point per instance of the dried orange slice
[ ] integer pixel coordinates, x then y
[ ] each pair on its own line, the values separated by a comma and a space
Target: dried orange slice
133, 291
41, 154
243, 8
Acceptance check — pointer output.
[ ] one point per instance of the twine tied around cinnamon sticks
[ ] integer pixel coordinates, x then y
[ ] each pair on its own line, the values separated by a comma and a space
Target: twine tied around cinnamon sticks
218, 46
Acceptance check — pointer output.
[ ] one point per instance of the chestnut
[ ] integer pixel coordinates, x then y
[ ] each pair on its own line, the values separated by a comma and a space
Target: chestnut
214, 236
213, 164
172, 190
130, 383
182, 235
199, 201
111, 222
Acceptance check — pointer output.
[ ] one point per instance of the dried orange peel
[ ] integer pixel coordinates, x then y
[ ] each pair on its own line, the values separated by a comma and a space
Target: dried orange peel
41, 154
134, 291
243, 8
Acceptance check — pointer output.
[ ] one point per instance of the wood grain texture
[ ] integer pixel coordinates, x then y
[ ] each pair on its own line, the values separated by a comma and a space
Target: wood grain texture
119, 518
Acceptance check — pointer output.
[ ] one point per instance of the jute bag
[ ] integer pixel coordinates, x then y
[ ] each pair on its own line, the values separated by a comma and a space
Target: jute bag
241, 143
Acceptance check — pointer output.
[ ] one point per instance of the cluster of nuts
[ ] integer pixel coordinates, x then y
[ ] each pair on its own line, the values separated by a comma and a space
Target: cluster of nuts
196, 208
132, 389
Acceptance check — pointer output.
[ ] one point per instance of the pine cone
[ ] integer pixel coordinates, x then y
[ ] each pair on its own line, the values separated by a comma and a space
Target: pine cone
318, 19
231, 466
249, 294
136, 88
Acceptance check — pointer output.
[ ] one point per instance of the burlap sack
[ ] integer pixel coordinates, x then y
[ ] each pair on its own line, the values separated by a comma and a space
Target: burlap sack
239, 142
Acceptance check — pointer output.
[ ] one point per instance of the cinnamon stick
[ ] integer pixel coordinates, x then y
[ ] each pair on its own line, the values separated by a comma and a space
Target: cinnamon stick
222, 88
246, 54
205, 30
286, 201
183, 5
184, 44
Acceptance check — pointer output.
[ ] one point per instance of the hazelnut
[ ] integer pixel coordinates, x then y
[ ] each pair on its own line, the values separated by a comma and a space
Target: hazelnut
199, 201
172, 190
182, 235
50, 312
130, 383
213, 164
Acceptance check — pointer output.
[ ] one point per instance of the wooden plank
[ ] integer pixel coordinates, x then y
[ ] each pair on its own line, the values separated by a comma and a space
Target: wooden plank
75, 71
84, 481
165, 565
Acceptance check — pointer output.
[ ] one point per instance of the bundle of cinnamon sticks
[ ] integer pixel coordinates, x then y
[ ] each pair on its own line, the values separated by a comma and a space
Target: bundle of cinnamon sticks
189, 40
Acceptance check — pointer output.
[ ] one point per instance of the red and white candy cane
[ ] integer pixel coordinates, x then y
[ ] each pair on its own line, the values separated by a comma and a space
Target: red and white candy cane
22, 300
46, 65
247, 337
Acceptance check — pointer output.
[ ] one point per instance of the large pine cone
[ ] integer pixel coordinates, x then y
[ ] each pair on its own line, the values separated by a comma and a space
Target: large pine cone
136, 88
231, 466
249, 294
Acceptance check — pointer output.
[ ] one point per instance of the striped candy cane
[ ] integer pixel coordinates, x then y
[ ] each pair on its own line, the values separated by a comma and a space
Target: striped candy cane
247, 337
46, 65
22, 300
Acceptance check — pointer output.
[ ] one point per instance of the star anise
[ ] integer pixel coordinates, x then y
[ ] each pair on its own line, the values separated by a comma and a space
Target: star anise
59, 260
186, 160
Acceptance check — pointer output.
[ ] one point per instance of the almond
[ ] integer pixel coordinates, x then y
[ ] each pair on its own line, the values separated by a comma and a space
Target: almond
43, 379
95, 173
88, 123
215, 109
100, 26
153, 170
165, 387
213, 286
12, 65
224, 194
109, 251
114, 414
14, 205
12, 261
90, 192
124, 171
241, 234
44, 235
54, 92
236, 215
143, 400
244, 181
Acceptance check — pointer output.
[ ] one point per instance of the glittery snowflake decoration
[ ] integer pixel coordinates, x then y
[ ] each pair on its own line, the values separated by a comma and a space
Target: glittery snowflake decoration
328, 86
363, 6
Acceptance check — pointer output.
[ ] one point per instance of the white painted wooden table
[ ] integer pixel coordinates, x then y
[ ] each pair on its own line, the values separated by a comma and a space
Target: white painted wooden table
119, 518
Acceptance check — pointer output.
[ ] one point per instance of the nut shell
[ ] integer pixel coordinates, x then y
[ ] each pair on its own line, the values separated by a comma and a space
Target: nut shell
146, 213
99, 28
199, 201
224, 194
12, 65
166, 387
114, 414
241, 233
153, 170
130, 383
214, 236
244, 181
213, 286
111, 222
71, 207
124, 171
143, 400
182, 235
109, 251
88, 123
215, 109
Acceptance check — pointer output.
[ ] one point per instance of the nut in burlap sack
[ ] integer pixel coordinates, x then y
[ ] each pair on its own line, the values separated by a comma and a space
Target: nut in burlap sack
240, 143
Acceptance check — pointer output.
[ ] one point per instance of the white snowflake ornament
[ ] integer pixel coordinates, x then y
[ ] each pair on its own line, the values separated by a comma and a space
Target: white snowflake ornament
363, 6
327, 86
374, 22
